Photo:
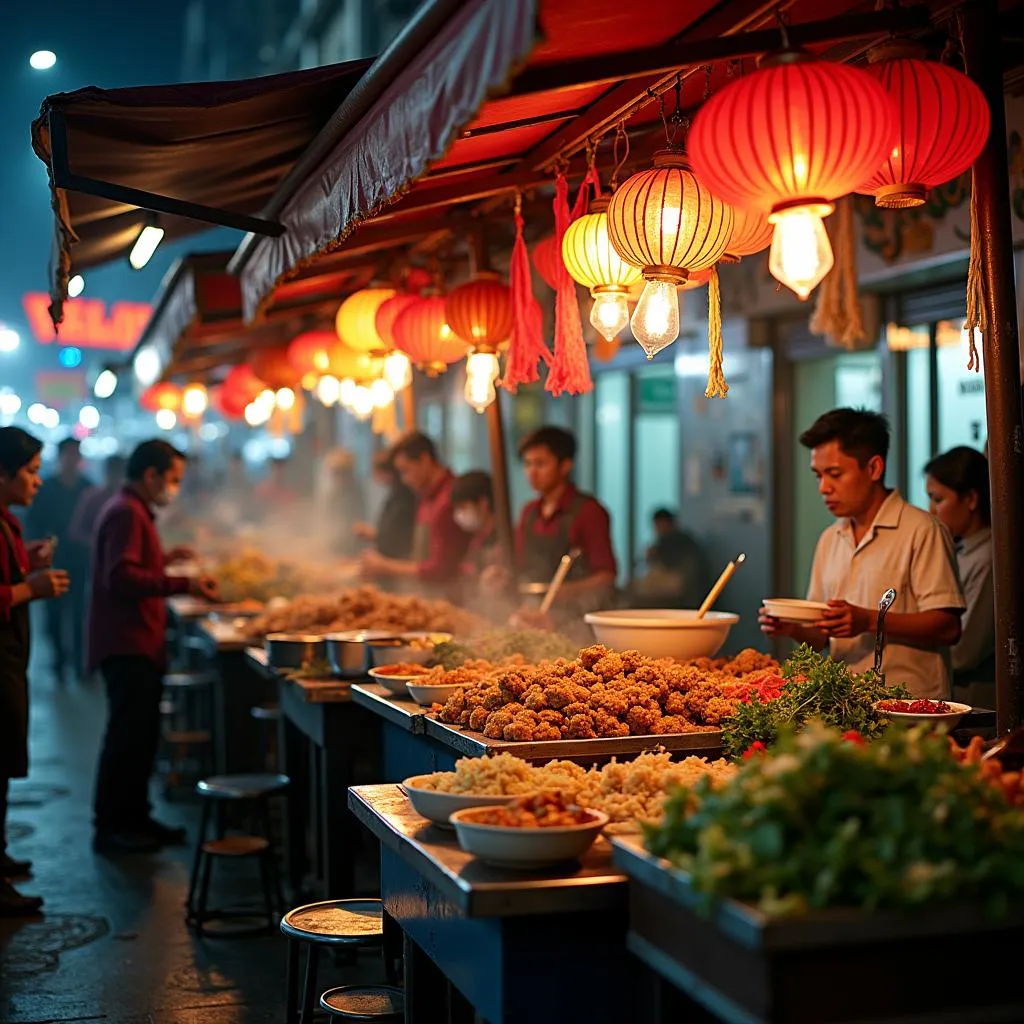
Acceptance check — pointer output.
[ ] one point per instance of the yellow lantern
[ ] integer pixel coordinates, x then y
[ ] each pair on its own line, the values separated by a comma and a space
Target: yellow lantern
356, 321
194, 401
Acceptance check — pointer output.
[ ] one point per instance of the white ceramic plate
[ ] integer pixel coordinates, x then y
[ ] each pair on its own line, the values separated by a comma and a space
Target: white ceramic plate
426, 694
787, 609
398, 685
438, 807
663, 633
526, 849
946, 721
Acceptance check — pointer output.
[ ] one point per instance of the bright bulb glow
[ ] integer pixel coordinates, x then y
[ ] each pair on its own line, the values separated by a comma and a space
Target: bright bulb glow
51, 419
9, 339
671, 221
655, 320
106, 384
285, 399
10, 403
42, 60
610, 313
362, 402
347, 392
194, 401
482, 371
382, 394
801, 254
256, 414
145, 245
397, 370
328, 390
166, 419
267, 401
148, 366
89, 417
76, 286
36, 413
309, 381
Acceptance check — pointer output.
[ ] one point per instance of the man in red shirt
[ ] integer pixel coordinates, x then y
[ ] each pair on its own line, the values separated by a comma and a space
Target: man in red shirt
438, 543
126, 636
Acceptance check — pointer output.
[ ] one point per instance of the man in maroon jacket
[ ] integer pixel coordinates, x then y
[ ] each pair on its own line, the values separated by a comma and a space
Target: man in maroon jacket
126, 636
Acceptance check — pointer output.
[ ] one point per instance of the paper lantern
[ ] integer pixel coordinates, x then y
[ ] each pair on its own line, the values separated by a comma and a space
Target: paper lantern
387, 313
666, 222
545, 258
592, 262
942, 120
164, 395
348, 364
230, 404
356, 321
480, 311
310, 352
274, 368
751, 232
423, 334
243, 383
788, 139
695, 281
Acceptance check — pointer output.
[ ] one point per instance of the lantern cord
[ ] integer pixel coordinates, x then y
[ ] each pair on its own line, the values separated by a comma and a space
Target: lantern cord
976, 306
717, 386
621, 136
707, 82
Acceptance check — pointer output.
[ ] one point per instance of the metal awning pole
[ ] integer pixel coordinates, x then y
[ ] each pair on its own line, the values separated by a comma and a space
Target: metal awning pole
499, 478
1001, 360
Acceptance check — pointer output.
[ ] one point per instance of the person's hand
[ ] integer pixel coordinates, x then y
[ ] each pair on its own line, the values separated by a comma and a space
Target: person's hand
204, 587
365, 531
181, 553
772, 626
495, 579
48, 583
531, 618
40, 553
371, 563
844, 620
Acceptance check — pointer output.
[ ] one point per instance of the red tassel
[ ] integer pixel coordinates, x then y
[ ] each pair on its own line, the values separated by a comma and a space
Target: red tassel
570, 371
526, 345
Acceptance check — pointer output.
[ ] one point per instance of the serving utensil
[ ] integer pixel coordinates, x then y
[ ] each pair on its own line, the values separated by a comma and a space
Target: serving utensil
719, 586
884, 604
564, 567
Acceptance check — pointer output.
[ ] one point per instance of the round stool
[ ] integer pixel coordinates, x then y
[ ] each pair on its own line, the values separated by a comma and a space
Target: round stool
217, 791
349, 923
365, 1002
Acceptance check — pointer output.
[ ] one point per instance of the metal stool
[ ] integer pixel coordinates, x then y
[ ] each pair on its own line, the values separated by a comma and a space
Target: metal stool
268, 715
365, 1002
353, 924
188, 710
218, 791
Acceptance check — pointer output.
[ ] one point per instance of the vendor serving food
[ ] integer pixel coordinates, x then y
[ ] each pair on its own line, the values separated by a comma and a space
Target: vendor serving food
878, 542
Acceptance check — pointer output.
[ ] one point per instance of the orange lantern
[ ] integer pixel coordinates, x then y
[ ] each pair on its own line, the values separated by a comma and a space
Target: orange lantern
423, 334
356, 320
943, 124
164, 395
274, 368
310, 352
348, 364
480, 311
751, 232
546, 257
242, 383
230, 404
387, 313
697, 280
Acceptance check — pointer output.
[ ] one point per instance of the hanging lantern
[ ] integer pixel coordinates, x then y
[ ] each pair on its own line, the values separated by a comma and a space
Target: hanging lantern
942, 121
665, 221
161, 396
592, 262
310, 352
194, 401
544, 257
242, 383
788, 139
397, 365
423, 334
480, 311
229, 404
751, 232
695, 281
274, 368
356, 321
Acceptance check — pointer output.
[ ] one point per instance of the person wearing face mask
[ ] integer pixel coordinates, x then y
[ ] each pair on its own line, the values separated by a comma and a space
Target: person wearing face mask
127, 626
473, 509
958, 492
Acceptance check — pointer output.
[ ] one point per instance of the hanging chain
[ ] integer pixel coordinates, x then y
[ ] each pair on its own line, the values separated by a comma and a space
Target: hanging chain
519, 203
780, 17
620, 153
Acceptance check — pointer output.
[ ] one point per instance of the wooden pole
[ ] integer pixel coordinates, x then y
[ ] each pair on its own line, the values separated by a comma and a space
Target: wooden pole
982, 47
499, 478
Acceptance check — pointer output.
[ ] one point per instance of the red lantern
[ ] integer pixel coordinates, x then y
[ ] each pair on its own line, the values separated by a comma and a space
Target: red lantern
943, 123
696, 280
423, 334
480, 311
546, 259
242, 385
161, 396
388, 313
274, 368
310, 352
230, 404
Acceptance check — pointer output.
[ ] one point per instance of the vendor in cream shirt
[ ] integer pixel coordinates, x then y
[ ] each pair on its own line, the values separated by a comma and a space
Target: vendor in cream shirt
878, 542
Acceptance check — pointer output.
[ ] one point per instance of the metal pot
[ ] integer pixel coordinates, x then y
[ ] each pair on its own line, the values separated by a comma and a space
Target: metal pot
349, 653
293, 650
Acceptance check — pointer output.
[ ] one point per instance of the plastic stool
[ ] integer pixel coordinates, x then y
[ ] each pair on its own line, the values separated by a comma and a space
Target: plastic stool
365, 1002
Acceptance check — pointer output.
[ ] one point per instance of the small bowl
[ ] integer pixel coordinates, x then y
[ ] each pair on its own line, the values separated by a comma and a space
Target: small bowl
525, 849
397, 685
438, 807
787, 609
946, 721
392, 651
663, 633
426, 694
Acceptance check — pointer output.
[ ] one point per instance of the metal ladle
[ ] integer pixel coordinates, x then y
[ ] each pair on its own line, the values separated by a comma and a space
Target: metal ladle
883, 606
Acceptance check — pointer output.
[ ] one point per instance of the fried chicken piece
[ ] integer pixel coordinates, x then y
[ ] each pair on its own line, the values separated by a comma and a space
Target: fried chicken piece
581, 728
718, 708
646, 674
515, 683
608, 667
697, 699
670, 724
496, 722
535, 699
478, 718
610, 702
578, 707
494, 699
675, 704
560, 695
463, 718
545, 731
632, 661
641, 720
551, 717
608, 725
749, 660
520, 729
590, 656
453, 707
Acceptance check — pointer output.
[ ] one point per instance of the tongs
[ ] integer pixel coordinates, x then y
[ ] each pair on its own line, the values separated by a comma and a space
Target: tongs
883, 606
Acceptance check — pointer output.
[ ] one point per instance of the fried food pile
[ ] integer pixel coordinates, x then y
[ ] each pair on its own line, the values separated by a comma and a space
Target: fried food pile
1010, 783
251, 575
602, 693
364, 608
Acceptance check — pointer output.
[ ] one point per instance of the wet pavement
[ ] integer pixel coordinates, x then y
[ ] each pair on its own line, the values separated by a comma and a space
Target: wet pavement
113, 945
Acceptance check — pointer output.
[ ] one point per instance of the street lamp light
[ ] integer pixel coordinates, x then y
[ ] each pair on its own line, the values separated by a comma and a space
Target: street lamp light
42, 60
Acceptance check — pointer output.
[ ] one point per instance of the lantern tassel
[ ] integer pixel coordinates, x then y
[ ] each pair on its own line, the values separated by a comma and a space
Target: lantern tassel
838, 316
526, 343
976, 308
717, 386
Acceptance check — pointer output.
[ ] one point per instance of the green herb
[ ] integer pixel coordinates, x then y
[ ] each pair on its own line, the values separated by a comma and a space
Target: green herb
817, 687
822, 822
533, 644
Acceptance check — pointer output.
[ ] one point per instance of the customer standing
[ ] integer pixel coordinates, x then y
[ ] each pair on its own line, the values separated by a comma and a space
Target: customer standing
396, 520
958, 490
51, 516
127, 626
24, 577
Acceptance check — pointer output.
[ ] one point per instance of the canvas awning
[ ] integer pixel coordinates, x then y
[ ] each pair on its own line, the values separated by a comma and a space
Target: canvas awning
197, 154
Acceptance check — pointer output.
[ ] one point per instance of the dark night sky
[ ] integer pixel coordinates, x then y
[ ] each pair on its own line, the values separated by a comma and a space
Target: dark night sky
109, 43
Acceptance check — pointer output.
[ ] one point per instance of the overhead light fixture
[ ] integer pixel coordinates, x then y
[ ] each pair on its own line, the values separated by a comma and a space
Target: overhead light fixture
106, 384
89, 417
147, 366
9, 339
166, 419
42, 60
76, 286
145, 245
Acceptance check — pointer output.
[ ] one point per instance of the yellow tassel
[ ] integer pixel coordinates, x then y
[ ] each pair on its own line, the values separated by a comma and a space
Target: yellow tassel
838, 316
717, 387
976, 308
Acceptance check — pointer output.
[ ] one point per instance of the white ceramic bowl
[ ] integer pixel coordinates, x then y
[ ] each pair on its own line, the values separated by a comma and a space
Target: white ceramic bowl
425, 694
787, 609
398, 685
525, 848
396, 654
663, 633
438, 807
946, 721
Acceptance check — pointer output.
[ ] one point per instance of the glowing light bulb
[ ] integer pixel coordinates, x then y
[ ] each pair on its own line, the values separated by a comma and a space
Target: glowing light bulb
655, 320
328, 390
610, 312
382, 394
362, 402
309, 381
482, 371
165, 419
347, 392
89, 417
194, 401
10, 403
671, 221
145, 245
148, 366
254, 415
285, 399
801, 254
106, 384
397, 370
76, 285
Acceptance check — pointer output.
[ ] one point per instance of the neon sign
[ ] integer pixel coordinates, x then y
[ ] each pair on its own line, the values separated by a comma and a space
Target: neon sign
87, 322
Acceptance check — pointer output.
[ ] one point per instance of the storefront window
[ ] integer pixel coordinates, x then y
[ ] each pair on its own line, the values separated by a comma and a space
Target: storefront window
611, 430
961, 392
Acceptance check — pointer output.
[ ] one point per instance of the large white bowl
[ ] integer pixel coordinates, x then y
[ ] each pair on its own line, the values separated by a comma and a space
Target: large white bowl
397, 654
945, 722
526, 848
398, 685
427, 694
663, 633
438, 807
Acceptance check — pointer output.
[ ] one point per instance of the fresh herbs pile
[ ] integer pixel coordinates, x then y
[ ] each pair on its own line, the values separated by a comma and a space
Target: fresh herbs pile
821, 821
816, 687
534, 645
